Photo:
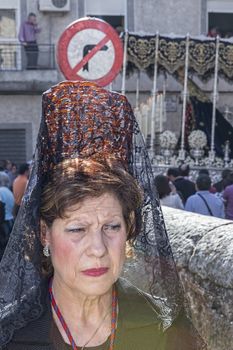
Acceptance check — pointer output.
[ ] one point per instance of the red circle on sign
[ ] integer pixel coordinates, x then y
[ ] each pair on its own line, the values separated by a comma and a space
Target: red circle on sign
110, 35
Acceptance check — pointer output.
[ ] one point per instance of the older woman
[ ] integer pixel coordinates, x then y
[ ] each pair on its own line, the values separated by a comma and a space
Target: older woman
82, 205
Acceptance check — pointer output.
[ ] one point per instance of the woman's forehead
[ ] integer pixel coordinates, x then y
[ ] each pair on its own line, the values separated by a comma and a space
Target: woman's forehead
107, 204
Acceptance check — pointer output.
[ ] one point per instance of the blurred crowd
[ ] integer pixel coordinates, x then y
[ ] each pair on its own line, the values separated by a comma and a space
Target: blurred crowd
177, 190
13, 182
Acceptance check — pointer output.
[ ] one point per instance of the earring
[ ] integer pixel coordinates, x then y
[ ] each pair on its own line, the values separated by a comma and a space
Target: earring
46, 251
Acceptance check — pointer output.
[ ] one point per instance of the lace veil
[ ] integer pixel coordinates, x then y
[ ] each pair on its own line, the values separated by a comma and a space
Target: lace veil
105, 125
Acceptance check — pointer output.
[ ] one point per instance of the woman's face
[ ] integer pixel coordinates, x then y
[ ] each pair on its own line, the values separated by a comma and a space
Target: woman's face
88, 246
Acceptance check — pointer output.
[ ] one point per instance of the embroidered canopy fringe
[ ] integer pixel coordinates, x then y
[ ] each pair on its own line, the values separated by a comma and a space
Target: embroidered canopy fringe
141, 51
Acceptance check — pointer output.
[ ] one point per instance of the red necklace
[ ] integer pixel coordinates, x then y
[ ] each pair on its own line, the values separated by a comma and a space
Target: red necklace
65, 327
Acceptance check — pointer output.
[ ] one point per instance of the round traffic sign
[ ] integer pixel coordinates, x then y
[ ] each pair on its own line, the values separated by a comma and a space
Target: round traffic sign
90, 49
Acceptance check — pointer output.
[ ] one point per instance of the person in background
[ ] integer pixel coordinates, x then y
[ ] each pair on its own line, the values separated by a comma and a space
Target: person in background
173, 173
219, 186
203, 202
166, 196
7, 165
184, 170
11, 170
27, 37
227, 196
2, 211
179, 177
2, 165
213, 32
12, 175
205, 171
19, 186
7, 223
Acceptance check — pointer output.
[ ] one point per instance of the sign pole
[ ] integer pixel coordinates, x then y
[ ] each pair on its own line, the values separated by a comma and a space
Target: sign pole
155, 105
126, 16
124, 63
215, 95
185, 95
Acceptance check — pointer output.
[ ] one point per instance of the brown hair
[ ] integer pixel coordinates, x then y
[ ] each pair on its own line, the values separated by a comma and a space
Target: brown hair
73, 180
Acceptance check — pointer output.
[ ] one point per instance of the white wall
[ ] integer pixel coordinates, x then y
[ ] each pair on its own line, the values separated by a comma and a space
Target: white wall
17, 109
170, 16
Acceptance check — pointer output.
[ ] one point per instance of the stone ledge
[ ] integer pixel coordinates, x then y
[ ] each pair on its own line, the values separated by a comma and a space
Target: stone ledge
203, 250
27, 81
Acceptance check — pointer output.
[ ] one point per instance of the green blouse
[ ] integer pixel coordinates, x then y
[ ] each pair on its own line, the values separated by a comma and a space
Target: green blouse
138, 328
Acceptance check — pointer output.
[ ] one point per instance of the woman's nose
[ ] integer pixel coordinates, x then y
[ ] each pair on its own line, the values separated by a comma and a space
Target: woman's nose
97, 244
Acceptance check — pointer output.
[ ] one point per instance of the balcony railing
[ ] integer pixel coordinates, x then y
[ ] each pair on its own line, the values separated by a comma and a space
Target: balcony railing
15, 57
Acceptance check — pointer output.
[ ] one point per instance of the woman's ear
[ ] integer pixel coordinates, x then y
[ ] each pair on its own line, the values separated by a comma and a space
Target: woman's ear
44, 233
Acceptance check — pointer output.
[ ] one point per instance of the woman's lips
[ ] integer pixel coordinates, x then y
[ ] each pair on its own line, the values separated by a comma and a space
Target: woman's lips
95, 272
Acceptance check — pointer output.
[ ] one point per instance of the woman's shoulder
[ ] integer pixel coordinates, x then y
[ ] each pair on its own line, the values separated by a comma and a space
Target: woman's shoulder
139, 325
173, 200
146, 318
140, 308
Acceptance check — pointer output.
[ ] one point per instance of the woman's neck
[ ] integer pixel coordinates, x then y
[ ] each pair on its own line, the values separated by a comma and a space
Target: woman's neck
83, 314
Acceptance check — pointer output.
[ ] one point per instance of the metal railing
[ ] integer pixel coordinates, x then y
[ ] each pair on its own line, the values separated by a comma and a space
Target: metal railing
17, 57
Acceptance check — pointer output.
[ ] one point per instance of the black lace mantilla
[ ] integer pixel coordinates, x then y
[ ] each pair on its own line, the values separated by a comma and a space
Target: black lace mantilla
22, 287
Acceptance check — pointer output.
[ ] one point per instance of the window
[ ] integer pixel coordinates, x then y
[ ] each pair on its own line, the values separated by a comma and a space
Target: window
7, 23
13, 145
223, 22
220, 17
116, 22
9, 47
112, 12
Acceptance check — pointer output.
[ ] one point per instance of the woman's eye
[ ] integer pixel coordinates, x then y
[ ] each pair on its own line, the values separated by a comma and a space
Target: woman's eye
76, 229
112, 227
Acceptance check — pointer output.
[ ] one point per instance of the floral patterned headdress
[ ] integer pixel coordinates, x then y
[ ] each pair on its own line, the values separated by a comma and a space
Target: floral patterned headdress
83, 120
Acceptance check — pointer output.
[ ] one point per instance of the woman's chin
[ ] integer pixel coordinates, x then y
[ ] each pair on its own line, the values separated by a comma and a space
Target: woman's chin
95, 286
